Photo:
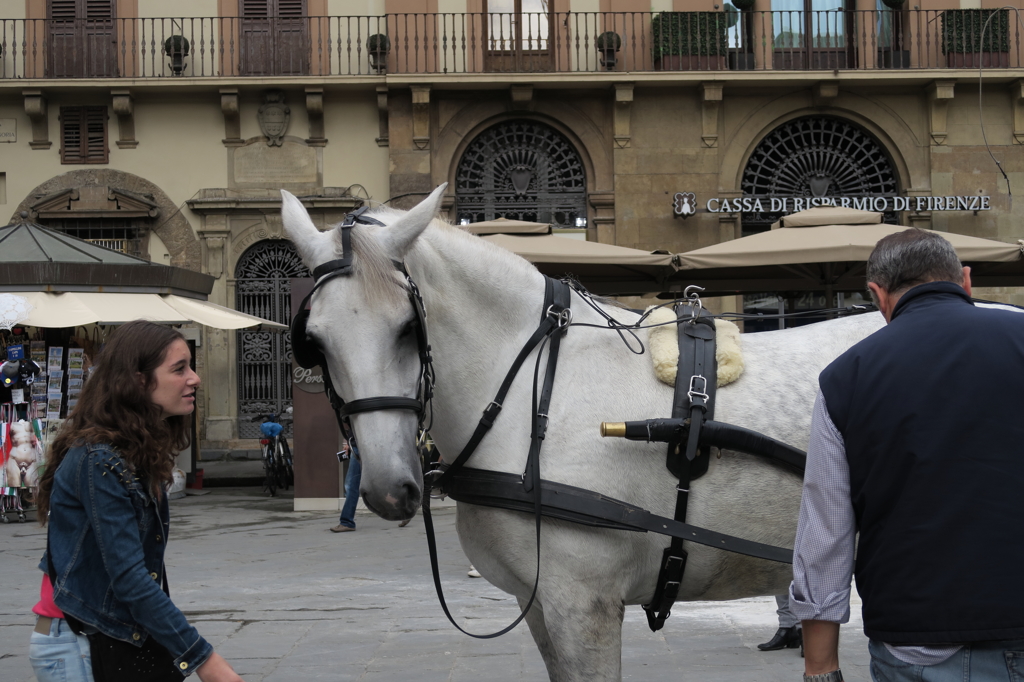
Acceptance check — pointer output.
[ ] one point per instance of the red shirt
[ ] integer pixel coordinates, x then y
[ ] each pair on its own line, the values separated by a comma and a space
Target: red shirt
46, 607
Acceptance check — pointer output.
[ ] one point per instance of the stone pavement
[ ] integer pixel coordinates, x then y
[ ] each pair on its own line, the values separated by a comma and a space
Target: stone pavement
284, 599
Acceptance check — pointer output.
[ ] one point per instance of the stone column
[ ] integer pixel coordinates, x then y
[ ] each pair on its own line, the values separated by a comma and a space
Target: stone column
762, 33
219, 379
409, 145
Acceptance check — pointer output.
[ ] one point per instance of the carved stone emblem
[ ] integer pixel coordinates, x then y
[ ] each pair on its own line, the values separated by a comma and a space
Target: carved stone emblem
274, 116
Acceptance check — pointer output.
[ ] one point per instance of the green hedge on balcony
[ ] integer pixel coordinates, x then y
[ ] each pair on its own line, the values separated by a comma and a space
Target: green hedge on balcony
689, 33
961, 31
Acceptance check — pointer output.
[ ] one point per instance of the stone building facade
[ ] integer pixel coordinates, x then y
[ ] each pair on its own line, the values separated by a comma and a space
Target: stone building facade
527, 109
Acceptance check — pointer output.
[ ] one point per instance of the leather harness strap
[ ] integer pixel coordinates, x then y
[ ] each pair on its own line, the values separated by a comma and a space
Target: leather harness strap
696, 382
555, 318
586, 507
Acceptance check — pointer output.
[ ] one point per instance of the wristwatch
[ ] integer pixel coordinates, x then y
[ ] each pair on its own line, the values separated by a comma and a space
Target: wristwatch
834, 676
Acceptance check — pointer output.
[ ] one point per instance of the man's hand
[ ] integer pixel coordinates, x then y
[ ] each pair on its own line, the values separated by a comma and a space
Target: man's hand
821, 647
216, 669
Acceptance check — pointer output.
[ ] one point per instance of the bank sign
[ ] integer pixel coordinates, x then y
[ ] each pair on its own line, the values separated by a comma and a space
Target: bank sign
685, 204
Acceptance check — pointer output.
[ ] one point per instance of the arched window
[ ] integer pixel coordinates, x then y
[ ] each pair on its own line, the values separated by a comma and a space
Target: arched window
263, 288
812, 156
522, 170
816, 156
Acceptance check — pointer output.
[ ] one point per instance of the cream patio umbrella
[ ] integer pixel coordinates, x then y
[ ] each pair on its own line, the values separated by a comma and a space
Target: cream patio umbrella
73, 308
604, 269
825, 249
507, 226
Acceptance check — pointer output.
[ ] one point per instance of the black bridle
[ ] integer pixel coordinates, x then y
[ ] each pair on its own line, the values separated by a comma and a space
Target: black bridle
308, 354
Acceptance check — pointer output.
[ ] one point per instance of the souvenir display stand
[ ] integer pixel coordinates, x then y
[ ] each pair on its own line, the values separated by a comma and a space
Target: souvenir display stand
42, 372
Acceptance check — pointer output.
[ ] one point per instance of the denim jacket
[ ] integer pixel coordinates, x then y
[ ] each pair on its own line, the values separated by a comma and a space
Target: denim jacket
107, 535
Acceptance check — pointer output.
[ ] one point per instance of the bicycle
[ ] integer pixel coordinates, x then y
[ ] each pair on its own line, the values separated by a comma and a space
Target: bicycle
277, 455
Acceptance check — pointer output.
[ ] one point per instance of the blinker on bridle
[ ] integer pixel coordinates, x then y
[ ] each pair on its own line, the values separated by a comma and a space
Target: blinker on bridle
308, 355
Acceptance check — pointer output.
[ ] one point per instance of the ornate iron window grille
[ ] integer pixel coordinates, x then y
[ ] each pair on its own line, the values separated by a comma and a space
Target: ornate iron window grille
816, 156
263, 288
521, 170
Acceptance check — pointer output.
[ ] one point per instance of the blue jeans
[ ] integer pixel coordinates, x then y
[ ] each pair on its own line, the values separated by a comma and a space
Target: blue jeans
978, 662
348, 510
61, 656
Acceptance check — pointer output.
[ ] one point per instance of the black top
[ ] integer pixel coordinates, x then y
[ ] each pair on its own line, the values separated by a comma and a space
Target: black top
931, 410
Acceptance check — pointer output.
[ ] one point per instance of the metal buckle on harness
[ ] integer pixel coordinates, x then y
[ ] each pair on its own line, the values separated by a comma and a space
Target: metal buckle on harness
430, 487
563, 316
491, 412
693, 392
693, 298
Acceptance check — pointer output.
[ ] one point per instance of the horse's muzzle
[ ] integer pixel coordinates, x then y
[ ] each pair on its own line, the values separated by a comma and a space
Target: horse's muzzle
395, 505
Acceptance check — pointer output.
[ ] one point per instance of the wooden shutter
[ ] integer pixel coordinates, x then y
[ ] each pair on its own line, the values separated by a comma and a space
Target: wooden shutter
257, 43
292, 39
96, 134
63, 43
274, 37
99, 9
256, 9
291, 8
83, 134
82, 41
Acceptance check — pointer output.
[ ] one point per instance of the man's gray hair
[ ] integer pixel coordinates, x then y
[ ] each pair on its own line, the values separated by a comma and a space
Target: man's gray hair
906, 259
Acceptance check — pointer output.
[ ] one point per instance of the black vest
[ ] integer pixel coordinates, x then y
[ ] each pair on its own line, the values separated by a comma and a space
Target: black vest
931, 410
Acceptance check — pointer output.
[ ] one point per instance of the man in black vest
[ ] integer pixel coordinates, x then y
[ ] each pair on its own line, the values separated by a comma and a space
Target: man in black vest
916, 444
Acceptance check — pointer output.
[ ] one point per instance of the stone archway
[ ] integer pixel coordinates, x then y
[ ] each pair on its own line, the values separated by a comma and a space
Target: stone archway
169, 225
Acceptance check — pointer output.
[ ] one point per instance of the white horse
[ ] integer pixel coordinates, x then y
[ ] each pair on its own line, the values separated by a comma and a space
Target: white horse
482, 305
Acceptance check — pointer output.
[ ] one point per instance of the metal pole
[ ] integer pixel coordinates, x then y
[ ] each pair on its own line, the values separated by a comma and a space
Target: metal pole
782, 311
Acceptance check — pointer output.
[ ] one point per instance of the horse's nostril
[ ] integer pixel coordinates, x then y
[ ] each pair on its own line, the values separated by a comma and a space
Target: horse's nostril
412, 491
412, 495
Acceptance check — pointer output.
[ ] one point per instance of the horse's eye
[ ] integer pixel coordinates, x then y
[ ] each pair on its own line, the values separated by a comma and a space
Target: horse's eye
408, 328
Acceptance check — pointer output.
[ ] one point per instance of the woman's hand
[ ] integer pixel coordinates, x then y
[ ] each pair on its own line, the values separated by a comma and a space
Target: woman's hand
216, 669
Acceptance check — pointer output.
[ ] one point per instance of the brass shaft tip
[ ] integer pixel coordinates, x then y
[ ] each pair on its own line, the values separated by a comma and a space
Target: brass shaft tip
613, 429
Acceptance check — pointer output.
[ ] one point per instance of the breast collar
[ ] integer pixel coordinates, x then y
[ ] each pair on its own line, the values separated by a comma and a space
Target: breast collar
308, 354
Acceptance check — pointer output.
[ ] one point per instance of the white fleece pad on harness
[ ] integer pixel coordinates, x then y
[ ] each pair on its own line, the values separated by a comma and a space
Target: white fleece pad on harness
664, 344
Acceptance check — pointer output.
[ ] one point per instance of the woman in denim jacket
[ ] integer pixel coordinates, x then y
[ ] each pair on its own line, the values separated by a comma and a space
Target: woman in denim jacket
105, 491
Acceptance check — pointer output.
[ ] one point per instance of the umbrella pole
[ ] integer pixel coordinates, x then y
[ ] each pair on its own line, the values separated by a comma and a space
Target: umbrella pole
828, 292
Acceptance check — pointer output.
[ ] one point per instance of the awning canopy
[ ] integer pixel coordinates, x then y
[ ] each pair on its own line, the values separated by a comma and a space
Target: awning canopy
64, 282
70, 309
815, 256
507, 226
604, 269
36, 258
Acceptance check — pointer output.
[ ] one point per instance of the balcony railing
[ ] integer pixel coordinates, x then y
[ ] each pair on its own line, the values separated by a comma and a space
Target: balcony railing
472, 43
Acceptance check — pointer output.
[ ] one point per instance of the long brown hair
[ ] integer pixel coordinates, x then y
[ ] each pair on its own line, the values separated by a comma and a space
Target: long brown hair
115, 408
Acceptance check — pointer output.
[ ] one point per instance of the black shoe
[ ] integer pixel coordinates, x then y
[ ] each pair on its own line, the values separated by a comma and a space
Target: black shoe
785, 638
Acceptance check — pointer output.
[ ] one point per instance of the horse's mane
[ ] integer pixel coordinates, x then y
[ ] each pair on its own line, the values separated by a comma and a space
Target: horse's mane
373, 267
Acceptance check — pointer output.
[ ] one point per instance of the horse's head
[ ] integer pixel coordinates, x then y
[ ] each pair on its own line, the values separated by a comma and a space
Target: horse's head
365, 324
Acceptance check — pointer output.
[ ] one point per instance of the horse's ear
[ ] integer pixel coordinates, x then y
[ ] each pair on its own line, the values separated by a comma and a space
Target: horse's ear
404, 231
313, 245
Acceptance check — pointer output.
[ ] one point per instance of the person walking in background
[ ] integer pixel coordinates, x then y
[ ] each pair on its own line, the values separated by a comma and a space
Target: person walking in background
915, 445
105, 613
789, 634
350, 453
